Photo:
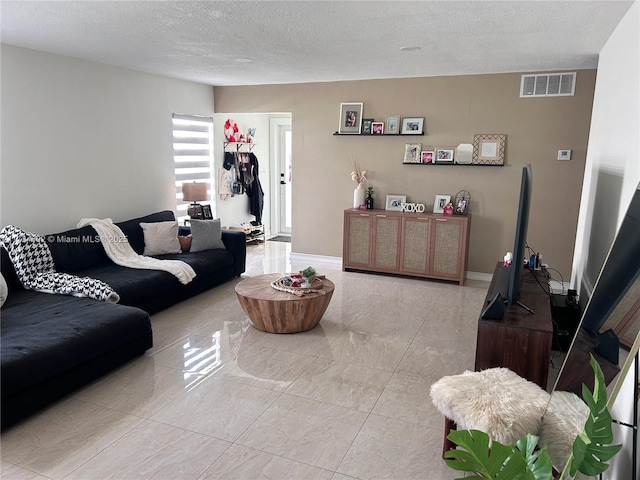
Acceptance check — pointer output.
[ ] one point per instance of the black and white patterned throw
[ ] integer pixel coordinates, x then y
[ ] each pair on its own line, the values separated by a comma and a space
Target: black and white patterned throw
34, 266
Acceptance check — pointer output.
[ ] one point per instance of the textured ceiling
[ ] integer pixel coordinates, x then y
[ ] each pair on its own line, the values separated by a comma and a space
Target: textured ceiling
310, 41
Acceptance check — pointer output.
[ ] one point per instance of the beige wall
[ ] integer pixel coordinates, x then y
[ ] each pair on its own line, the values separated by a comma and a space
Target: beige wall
455, 108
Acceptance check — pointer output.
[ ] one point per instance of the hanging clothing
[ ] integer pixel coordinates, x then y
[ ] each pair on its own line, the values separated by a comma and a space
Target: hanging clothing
243, 168
253, 188
224, 184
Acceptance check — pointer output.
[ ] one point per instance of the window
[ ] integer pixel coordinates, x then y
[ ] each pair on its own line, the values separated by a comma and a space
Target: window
192, 157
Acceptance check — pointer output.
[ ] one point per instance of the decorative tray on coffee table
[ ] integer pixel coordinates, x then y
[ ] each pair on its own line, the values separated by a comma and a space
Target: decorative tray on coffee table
294, 283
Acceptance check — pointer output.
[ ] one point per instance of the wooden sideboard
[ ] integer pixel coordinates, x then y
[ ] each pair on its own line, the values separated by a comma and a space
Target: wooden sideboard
416, 244
520, 340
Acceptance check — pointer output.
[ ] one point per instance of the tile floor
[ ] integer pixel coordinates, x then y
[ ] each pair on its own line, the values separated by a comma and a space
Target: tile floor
217, 399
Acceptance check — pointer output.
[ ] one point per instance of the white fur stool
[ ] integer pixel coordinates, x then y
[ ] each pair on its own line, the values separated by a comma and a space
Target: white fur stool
562, 423
496, 401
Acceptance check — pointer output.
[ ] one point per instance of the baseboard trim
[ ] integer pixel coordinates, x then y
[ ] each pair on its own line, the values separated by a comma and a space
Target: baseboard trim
556, 287
309, 257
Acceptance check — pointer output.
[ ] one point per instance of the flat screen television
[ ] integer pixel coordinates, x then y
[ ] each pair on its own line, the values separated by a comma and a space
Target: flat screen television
520, 241
506, 283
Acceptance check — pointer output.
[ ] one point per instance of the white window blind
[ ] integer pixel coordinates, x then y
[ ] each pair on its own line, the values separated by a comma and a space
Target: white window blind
192, 157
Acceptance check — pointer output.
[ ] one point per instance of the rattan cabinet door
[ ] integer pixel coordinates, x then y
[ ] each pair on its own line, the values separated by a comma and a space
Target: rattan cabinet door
386, 242
415, 245
357, 240
447, 248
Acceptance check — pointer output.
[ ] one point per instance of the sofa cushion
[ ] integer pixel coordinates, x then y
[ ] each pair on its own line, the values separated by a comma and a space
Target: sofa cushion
136, 287
207, 234
160, 238
133, 230
44, 335
204, 263
76, 249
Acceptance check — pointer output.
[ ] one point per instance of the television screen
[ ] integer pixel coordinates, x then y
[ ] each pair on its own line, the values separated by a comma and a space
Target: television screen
506, 281
520, 241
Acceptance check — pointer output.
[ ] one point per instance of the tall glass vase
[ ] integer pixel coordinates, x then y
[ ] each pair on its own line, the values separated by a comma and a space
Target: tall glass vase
358, 197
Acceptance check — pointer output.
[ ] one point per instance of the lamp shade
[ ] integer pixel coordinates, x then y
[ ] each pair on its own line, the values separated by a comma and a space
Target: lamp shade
194, 192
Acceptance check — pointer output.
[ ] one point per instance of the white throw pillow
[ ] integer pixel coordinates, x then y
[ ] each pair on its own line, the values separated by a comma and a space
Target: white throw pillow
207, 234
160, 238
4, 290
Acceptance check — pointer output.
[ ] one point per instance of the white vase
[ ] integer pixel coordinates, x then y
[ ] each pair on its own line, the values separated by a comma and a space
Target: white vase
358, 197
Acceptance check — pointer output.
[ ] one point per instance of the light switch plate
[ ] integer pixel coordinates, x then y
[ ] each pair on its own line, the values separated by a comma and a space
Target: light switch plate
564, 154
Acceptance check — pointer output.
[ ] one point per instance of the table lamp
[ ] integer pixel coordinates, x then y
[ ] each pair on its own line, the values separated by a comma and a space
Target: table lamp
194, 192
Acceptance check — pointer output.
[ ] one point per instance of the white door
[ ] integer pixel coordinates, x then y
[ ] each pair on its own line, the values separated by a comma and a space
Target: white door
281, 128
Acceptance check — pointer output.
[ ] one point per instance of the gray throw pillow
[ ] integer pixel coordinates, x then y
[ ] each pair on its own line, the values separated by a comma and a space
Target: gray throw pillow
206, 234
160, 238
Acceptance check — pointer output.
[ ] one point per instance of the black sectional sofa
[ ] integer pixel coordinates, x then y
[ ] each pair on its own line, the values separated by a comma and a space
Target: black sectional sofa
52, 344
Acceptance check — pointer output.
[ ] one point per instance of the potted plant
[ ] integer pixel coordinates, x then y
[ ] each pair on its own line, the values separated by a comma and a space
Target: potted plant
591, 448
308, 274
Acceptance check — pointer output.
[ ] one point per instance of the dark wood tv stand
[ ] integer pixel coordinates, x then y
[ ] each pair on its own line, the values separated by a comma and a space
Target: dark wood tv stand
520, 341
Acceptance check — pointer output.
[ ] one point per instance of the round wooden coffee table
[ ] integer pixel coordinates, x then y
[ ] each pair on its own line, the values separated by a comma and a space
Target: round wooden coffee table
273, 311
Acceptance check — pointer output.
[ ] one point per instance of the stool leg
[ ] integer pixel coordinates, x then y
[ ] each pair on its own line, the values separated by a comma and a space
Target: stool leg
448, 444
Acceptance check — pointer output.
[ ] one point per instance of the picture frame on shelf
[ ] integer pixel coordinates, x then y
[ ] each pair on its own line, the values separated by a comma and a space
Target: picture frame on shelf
427, 156
440, 202
366, 126
412, 153
377, 128
206, 212
464, 154
488, 149
461, 207
392, 125
350, 121
445, 155
413, 126
394, 202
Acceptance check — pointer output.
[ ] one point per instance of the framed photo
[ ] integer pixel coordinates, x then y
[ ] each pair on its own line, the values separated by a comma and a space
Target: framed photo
444, 155
461, 207
206, 212
440, 202
366, 126
427, 156
350, 118
413, 126
393, 124
394, 202
488, 149
377, 128
412, 153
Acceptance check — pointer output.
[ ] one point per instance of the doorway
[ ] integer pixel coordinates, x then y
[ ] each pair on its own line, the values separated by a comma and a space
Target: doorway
283, 178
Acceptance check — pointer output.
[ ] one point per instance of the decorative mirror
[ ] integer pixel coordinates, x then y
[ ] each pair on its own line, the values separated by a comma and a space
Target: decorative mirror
611, 320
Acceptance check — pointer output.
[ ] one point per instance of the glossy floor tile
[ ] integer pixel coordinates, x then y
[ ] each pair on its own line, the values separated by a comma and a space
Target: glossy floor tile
217, 399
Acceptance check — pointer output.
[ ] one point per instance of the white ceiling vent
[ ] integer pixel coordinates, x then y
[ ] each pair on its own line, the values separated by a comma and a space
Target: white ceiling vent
548, 85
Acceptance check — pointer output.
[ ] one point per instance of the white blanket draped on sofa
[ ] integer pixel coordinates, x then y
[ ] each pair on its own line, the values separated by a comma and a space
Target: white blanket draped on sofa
121, 253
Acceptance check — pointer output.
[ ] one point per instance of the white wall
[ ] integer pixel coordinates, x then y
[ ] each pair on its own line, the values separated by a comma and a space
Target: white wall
235, 210
612, 168
83, 139
612, 174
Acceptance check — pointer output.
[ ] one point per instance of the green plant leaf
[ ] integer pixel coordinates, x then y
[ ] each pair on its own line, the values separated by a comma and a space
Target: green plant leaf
538, 461
591, 449
500, 462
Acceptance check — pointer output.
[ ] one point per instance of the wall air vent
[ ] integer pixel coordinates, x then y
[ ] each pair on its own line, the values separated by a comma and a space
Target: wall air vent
548, 85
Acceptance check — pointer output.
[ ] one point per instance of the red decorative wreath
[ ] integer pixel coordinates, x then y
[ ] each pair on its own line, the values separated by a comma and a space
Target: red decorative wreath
230, 130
